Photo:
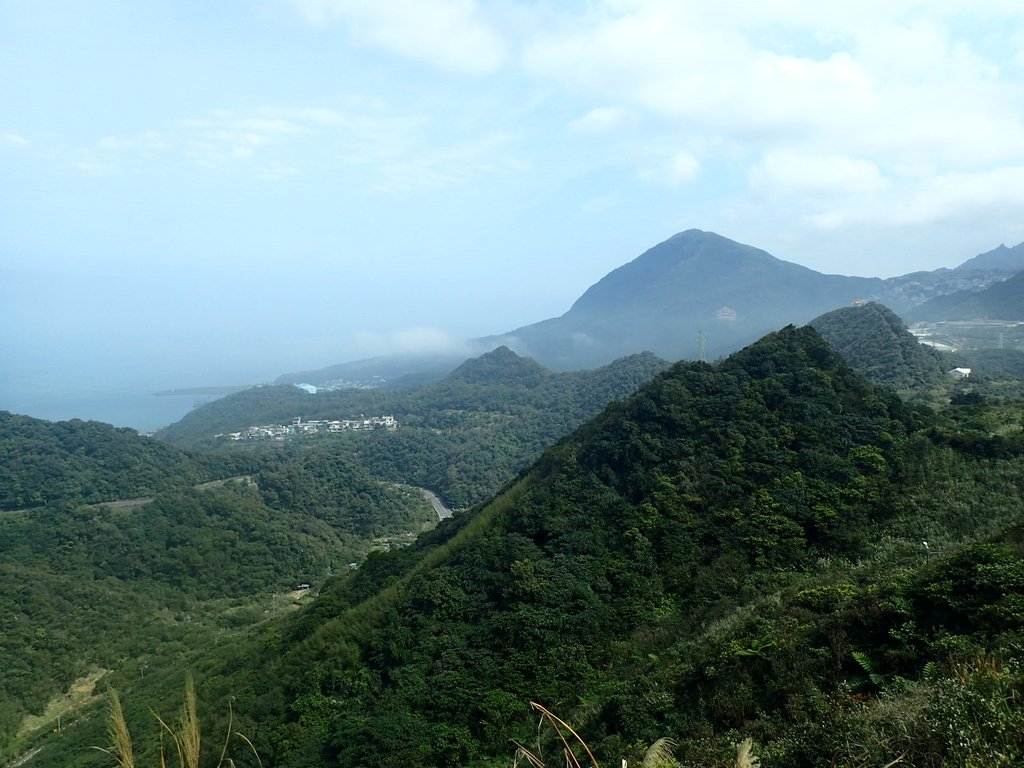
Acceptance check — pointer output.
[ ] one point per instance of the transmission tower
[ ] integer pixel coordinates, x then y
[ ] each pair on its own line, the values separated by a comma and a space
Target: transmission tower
702, 346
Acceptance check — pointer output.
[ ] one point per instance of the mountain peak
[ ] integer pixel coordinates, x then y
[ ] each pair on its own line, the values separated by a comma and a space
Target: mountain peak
697, 294
1001, 258
500, 364
687, 256
1003, 300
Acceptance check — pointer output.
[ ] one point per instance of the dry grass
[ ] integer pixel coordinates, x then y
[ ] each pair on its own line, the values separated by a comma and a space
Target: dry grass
561, 728
745, 754
184, 732
659, 755
117, 731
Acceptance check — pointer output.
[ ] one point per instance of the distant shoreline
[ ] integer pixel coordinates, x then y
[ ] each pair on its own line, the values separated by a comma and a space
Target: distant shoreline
202, 390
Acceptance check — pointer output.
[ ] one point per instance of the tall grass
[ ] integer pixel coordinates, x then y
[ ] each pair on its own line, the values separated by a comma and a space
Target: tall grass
659, 754
184, 732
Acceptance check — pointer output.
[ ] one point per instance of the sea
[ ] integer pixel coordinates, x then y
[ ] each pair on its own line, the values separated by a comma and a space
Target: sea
138, 408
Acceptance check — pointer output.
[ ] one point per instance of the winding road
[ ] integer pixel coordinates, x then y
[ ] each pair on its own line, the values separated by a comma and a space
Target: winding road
439, 507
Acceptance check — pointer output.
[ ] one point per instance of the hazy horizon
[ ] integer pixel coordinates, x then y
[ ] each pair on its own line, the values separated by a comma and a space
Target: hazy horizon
208, 194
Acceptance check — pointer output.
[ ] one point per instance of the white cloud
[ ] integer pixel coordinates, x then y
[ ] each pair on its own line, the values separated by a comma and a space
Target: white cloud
848, 77
277, 172
601, 120
680, 168
788, 172
944, 197
394, 153
447, 166
150, 141
417, 339
448, 34
221, 138
370, 137
12, 139
840, 117
90, 166
270, 126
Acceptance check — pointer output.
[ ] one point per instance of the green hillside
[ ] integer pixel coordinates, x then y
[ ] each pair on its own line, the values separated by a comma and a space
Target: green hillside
44, 461
767, 547
736, 550
115, 591
876, 343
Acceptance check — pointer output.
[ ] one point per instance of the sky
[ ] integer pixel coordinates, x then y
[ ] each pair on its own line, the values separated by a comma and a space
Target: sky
200, 193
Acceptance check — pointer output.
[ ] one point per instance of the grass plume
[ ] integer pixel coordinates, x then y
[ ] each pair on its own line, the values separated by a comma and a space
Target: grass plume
745, 757
658, 755
117, 731
185, 732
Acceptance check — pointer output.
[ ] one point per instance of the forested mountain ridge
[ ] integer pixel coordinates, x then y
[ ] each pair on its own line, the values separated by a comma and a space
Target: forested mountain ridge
500, 365
734, 550
43, 461
696, 292
876, 343
463, 437
1002, 301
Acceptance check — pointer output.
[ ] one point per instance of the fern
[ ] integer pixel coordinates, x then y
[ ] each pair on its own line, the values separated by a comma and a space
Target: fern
864, 662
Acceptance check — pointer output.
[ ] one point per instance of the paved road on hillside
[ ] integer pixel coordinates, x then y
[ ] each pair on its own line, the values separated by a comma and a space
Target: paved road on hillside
439, 507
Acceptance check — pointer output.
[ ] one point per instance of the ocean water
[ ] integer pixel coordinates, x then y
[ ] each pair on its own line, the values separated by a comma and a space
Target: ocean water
138, 408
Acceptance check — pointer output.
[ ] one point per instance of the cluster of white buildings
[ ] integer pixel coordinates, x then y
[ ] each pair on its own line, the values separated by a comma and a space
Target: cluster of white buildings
298, 428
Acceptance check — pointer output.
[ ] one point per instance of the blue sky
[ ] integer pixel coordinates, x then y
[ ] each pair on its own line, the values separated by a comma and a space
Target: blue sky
211, 192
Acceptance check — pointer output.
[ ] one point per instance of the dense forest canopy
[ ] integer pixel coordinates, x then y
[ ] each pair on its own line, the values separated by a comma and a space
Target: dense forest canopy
144, 583
44, 461
876, 343
736, 550
769, 546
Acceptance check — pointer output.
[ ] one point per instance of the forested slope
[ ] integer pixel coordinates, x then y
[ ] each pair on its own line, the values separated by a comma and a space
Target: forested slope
876, 343
736, 550
130, 589
43, 461
766, 547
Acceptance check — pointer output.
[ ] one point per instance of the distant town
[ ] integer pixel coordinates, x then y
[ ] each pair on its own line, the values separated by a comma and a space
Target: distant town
300, 428
956, 335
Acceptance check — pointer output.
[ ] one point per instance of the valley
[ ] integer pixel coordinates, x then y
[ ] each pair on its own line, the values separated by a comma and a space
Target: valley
706, 551
512, 384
